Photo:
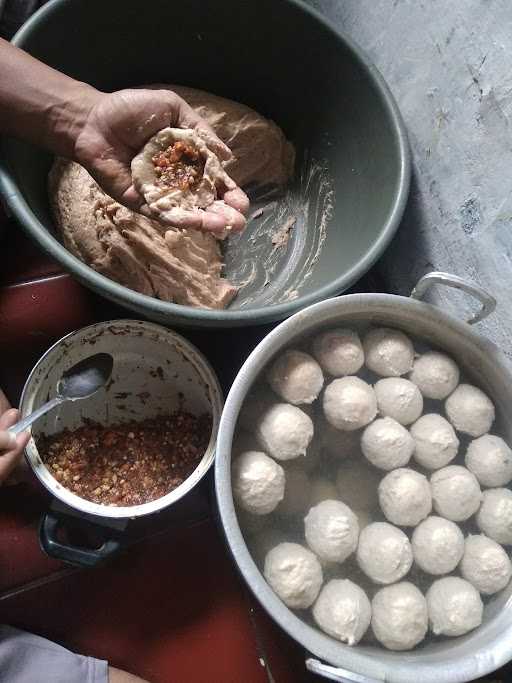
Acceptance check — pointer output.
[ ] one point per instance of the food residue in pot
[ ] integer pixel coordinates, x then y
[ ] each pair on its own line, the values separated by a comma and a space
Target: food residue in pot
130, 463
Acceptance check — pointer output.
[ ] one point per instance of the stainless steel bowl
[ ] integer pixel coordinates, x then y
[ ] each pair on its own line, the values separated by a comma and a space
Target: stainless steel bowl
449, 661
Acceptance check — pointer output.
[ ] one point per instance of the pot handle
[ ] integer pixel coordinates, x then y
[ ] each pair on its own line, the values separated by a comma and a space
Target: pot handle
334, 673
437, 278
75, 555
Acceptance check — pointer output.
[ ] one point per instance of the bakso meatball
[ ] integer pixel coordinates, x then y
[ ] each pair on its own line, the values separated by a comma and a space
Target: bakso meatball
437, 545
296, 377
284, 431
456, 493
485, 564
399, 399
454, 606
405, 497
331, 530
339, 352
384, 553
470, 410
435, 374
294, 574
388, 353
387, 444
349, 403
343, 611
258, 482
494, 518
490, 460
399, 616
436, 443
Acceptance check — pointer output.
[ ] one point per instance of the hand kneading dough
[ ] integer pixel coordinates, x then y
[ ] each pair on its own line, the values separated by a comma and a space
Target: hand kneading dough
339, 352
454, 606
436, 443
435, 374
400, 399
455, 492
405, 497
399, 616
384, 553
331, 530
490, 460
349, 403
437, 545
387, 444
284, 431
343, 611
469, 410
258, 482
485, 565
296, 377
495, 515
294, 574
388, 353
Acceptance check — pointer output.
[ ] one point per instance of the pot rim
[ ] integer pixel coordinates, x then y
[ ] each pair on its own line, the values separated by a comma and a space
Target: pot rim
87, 507
379, 665
224, 318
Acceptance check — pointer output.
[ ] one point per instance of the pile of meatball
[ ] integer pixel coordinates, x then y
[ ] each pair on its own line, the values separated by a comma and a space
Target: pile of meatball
371, 490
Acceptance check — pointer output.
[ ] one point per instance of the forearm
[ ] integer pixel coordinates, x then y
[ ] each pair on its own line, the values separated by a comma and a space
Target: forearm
40, 104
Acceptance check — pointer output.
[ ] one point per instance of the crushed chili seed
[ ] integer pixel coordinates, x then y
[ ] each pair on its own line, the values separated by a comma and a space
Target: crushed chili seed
180, 166
130, 463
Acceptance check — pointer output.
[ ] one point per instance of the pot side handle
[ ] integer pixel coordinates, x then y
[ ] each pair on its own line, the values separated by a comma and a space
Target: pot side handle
334, 673
437, 278
75, 555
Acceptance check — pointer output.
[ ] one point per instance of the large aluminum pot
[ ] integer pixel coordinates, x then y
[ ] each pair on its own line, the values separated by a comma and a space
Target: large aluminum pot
449, 661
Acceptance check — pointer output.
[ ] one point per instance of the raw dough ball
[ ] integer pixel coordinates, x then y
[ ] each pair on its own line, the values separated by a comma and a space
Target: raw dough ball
469, 410
294, 574
257, 482
384, 553
322, 489
357, 484
284, 431
437, 545
495, 515
336, 442
399, 616
339, 352
456, 493
405, 497
296, 377
296, 492
387, 444
435, 374
485, 565
331, 530
454, 606
490, 460
388, 353
436, 443
343, 611
349, 403
400, 399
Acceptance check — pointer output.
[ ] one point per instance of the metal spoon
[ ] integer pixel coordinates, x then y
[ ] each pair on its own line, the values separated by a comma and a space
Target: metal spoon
80, 381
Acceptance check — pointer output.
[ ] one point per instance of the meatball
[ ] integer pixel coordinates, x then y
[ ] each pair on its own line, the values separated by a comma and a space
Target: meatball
436, 443
456, 493
485, 565
343, 611
349, 403
258, 482
388, 353
331, 530
437, 545
339, 352
294, 574
435, 374
405, 497
384, 553
400, 399
387, 444
470, 410
296, 377
284, 431
454, 606
494, 518
490, 460
399, 616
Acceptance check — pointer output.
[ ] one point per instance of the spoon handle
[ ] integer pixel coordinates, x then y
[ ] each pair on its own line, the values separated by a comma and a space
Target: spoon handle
24, 424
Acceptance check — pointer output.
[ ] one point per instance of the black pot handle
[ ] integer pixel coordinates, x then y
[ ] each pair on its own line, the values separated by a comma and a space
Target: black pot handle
75, 555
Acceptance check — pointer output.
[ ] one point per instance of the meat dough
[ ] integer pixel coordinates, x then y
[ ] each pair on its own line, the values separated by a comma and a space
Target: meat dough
294, 574
399, 616
343, 611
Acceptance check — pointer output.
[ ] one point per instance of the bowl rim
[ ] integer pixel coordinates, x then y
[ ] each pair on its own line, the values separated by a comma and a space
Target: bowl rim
70, 499
188, 314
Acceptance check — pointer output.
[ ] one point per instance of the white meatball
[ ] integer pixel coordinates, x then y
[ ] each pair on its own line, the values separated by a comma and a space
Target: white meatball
495, 515
294, 574
437, 545
258, 482
400, 399
284, 431
435, 374
485, 565
454, 606
343, 611
338, 443
388, 353
387, 444
399, 616
349, 403
436, 443
469, 410
339, 352
296, 377
297, 490
456, 493
331, 530
384, 553
357, 484
490, 460
405, 497
322, 489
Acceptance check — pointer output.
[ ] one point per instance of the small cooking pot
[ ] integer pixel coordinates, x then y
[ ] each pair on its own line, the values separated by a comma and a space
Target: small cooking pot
450, 661
156, 371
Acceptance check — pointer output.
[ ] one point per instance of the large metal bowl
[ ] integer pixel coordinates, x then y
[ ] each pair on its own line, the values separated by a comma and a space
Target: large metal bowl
278, 56
449, 661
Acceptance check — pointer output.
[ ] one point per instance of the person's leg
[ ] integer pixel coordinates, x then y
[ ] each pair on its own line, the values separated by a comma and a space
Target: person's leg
118, 676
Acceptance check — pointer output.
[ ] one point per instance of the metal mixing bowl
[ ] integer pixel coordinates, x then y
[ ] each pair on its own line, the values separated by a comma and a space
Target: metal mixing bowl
286, 61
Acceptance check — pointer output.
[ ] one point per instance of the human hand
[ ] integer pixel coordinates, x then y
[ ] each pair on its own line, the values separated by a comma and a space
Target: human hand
116, 128
11, 447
